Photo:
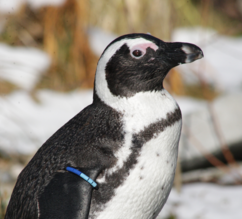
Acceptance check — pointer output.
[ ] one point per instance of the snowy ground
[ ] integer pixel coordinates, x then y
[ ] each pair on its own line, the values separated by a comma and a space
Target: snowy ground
204, 201
26, 124
22, 66
11, 6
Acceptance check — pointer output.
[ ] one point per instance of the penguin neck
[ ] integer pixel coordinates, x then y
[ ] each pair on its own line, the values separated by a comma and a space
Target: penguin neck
141, 109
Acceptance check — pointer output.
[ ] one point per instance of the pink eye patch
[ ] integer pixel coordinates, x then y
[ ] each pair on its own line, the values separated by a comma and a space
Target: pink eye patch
144, 46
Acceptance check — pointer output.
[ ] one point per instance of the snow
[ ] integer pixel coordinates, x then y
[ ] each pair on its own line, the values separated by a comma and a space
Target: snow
22, 66
189, 105
26, 124
99, 39
42, 3
204, 201
197, 117
11, 6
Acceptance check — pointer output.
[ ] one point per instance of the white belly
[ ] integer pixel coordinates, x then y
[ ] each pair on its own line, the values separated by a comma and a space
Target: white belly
145, 191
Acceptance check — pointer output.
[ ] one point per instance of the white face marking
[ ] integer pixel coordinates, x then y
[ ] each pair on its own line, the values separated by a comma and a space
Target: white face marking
148, 185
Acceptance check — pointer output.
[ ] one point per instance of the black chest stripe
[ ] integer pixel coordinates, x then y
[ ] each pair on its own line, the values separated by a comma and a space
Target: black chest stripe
155, 128
106, 190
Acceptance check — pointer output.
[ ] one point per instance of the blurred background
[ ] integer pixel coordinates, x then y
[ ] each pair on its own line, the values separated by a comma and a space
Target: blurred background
48, 55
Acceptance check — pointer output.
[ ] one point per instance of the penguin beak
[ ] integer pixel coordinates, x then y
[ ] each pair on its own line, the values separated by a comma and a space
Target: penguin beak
192, 52
180, 53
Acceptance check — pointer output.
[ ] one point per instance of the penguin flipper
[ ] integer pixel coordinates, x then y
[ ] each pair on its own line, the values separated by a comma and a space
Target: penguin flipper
67, 196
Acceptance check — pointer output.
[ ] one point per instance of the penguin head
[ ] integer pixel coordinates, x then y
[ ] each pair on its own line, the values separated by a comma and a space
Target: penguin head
136, 63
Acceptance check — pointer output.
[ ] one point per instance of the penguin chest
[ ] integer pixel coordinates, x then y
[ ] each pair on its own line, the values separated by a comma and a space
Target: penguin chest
148, 183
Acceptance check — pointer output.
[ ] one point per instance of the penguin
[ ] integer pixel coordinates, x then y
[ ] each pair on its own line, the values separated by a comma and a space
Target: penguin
124, 145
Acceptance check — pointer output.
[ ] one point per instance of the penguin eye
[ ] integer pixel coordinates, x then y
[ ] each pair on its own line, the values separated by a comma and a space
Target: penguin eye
137, 53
